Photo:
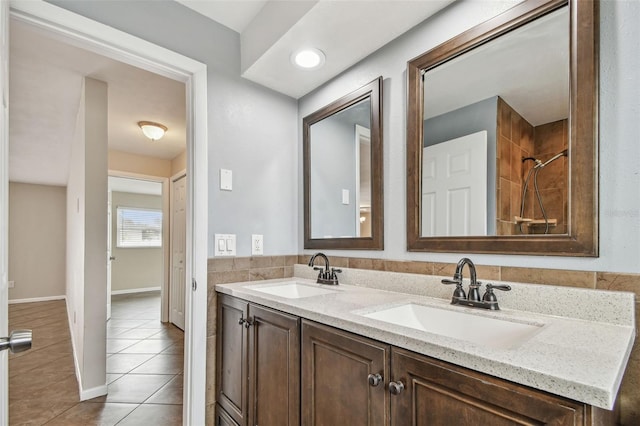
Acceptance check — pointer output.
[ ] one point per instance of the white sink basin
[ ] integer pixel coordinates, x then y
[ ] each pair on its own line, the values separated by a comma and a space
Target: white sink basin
293, 290
487, 331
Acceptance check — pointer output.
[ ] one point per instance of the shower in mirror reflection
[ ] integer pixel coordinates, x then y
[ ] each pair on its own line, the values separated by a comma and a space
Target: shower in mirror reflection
546, 222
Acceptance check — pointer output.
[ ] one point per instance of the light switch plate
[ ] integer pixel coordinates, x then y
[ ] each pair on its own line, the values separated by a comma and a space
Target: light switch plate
224, 245
226, 180
257, 244
345, 196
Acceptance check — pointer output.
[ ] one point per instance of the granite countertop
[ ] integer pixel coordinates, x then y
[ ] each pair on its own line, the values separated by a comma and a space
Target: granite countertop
580, 357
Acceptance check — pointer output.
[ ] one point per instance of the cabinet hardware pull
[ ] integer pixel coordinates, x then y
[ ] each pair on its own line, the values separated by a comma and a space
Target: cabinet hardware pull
241, 321
248, 323
396, 388
374, 379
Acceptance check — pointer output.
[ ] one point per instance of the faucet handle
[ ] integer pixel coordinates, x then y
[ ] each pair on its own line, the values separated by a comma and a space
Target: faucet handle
458, 293
502, 287
489, 295
321, 272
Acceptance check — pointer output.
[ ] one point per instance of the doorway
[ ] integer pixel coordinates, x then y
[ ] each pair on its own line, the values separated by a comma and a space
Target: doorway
132, 50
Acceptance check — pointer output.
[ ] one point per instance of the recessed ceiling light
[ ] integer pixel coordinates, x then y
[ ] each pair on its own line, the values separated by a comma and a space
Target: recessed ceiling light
308, 58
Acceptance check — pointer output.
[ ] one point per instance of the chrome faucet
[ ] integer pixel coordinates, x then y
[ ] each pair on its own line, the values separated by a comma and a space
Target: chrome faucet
327, 275
489, 299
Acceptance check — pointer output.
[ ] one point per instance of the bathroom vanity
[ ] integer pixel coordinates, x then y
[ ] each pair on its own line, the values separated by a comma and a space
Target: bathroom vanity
295, 352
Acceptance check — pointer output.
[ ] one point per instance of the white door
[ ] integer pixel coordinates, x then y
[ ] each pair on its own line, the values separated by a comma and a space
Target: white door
178, 247
4, 205
454, 187
110, 257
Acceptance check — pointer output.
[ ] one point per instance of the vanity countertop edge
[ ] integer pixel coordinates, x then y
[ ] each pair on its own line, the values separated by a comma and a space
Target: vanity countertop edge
579, 359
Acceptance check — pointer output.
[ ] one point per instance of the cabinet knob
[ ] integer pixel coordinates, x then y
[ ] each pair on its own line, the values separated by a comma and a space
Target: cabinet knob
374, 379
248, 323
241, 321
396, 388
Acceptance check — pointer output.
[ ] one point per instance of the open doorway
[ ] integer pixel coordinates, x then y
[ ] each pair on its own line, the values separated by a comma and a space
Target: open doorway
146, 241
134, 51
135, 242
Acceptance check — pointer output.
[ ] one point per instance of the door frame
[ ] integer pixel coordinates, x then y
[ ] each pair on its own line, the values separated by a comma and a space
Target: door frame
4, 206
166, 241
110, 42
169, 270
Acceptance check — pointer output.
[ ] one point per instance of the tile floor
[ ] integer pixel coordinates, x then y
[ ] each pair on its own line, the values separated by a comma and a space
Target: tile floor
144, 367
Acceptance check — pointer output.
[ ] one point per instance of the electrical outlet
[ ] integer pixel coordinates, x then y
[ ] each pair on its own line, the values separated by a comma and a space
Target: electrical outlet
257, 244
12, 284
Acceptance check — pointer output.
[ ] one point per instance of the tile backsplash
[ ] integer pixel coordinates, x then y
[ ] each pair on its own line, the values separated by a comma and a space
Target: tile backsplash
227, 270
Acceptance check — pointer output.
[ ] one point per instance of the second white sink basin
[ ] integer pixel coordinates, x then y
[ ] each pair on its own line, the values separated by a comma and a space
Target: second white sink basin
479, 329
293, 290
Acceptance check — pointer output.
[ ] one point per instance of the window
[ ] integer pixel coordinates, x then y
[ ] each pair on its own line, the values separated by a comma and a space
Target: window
139, 227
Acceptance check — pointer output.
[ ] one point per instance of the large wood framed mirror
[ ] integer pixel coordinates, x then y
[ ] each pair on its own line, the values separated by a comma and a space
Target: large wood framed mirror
502, 137
342, 150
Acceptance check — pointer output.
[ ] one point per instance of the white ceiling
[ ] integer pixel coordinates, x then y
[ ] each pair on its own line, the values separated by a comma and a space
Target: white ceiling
235, 14
45, 85
46, 75
345, 30
528, 68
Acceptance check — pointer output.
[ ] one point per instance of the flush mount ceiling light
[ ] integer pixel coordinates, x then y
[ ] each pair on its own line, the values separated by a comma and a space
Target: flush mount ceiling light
308, 59
153, 131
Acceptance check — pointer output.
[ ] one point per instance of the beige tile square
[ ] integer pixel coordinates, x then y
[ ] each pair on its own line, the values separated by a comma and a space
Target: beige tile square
161, 364
229, 276
260, 262
154, 414
619, 282
171, 393
583, 279
266, 273
136, 388
360, 263
97, 413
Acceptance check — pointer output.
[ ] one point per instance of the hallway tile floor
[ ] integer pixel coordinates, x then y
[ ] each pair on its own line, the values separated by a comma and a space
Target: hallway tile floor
144, 367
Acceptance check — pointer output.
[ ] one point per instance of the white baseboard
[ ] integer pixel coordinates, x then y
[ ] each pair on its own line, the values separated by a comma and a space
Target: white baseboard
85, 394
93, 392
37, 299
135, 290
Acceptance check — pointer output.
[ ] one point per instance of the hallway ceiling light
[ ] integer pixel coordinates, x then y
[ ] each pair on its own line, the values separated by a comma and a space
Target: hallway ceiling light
153, 131
308, 58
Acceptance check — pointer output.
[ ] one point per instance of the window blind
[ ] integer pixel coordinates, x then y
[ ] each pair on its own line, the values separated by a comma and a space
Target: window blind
139, 227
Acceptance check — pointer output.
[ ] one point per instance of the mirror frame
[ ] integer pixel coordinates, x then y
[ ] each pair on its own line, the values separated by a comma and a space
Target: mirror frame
373, 91
582, 236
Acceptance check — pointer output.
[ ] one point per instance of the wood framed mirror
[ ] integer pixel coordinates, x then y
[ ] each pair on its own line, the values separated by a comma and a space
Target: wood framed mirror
342, 150
540, 194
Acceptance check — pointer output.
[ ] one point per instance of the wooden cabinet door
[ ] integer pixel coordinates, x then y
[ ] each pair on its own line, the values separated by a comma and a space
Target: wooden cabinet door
335, 370
440, 394
274, 368
232, 352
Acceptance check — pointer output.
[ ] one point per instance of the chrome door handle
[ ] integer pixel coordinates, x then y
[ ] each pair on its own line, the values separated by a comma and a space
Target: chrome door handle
18, 341
374, 379
396, 388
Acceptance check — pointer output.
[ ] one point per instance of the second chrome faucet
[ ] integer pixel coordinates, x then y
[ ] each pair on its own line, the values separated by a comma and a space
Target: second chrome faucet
488, 300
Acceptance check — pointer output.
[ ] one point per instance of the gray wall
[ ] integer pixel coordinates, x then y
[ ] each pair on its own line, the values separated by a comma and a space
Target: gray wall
619, 91
252, 130
37, 240
465, 121
332, 170
134, 268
